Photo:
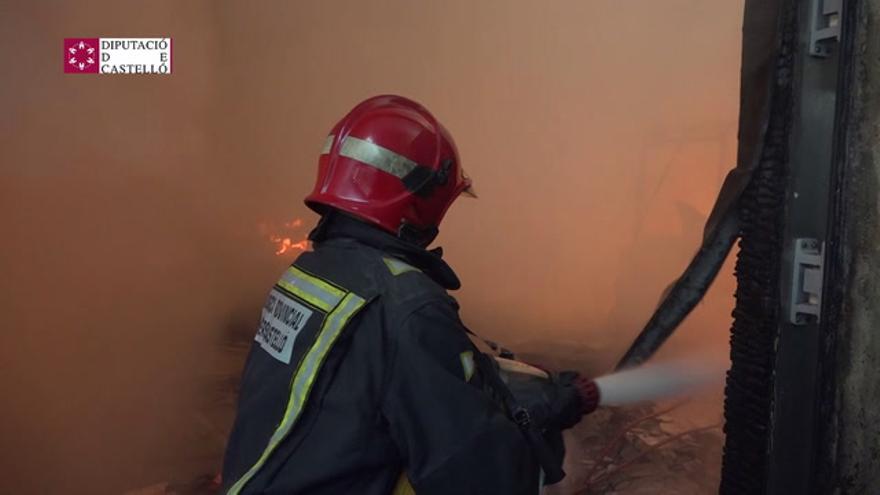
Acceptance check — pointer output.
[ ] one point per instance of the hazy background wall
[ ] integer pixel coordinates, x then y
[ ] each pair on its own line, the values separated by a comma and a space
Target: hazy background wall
135, 208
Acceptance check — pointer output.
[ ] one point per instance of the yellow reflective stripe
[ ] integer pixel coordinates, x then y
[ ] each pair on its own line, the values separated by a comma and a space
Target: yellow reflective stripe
304, 379
311, 289
403, 486
467, 364
397, 267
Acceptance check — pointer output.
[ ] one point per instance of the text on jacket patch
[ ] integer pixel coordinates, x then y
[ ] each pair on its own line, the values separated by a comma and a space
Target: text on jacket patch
281, 321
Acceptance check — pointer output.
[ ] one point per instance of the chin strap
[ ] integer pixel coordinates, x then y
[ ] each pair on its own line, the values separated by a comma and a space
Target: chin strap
422, 180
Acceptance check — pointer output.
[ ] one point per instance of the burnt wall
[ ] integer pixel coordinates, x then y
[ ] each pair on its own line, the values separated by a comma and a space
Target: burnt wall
858, 338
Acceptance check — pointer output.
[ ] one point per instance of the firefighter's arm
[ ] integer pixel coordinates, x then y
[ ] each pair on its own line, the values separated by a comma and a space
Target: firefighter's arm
452, 435
557, 401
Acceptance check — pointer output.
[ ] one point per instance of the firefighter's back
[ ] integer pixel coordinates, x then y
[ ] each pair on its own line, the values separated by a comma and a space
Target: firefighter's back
310, 413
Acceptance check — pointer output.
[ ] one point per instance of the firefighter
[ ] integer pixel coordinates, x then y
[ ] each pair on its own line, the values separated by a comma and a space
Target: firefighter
362, 379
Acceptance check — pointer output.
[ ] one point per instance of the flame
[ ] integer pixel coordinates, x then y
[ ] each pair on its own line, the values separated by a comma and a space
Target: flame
284, 239
286, 244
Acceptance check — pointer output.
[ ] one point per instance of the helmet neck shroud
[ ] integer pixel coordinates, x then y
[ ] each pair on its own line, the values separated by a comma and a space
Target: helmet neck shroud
335, 224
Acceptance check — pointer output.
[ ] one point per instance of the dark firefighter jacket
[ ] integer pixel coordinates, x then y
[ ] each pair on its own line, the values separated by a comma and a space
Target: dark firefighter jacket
361, 371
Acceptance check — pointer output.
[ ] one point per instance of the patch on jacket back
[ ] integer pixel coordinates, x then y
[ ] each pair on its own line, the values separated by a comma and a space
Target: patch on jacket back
282, 320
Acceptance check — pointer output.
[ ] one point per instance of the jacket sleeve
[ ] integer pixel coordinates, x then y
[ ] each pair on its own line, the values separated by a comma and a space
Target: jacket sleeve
452, 434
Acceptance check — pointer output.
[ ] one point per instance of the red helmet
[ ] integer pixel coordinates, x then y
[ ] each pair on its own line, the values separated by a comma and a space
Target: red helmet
391, 163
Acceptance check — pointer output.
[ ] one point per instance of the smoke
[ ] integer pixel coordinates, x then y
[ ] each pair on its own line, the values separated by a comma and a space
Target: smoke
597, 133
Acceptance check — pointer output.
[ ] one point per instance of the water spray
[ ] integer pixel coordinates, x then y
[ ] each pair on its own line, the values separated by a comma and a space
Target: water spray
646, 383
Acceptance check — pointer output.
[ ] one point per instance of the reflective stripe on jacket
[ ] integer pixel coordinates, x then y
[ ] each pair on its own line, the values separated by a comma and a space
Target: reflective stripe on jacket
361, 370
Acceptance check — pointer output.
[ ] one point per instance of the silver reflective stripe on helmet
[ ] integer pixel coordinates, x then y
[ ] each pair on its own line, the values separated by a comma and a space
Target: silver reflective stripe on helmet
376, 156
328, 143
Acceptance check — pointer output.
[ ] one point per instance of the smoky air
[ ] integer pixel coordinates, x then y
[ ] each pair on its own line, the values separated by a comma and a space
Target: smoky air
145, 219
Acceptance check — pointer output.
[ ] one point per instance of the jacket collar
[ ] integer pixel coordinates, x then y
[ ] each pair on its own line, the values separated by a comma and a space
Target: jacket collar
337, 225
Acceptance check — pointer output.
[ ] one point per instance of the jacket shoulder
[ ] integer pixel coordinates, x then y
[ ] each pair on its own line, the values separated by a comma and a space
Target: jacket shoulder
407, 286
360, 268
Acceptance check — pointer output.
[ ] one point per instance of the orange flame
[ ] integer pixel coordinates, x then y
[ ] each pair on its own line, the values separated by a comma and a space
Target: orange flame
285, 244
284, 240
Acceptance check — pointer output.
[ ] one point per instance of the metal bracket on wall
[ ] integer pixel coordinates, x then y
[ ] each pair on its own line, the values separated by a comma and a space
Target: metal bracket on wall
806, 284
825, 26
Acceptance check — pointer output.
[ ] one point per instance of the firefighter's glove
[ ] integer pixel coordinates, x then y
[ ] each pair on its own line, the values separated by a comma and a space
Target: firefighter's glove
576, 396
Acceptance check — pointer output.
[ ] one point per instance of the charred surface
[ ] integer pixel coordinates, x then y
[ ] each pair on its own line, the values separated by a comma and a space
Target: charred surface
749, 391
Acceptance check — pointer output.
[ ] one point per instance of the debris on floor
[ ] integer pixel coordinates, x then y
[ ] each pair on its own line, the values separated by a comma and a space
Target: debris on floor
641, 450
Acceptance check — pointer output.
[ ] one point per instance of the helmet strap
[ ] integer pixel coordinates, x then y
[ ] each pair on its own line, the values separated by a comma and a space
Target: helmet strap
422, 181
